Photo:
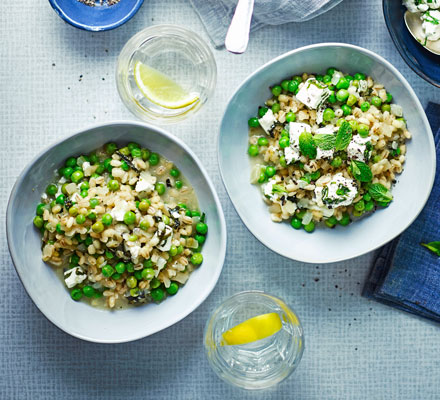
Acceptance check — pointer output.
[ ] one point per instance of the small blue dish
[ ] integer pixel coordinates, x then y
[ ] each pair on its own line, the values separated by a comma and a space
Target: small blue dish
98, 18
420, 60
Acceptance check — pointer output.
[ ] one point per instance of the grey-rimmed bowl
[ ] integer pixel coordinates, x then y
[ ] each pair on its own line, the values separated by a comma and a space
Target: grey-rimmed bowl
325, 245
44, 287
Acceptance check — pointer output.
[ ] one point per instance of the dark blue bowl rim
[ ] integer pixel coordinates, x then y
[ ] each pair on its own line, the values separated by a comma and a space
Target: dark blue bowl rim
402, 52
125, 18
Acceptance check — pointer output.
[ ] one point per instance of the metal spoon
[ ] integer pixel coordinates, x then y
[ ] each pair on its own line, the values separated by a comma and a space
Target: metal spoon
237, 37
414, 25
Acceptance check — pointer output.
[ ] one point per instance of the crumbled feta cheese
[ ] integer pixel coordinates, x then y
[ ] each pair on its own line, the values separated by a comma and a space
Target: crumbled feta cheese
320, 154
313, 93
167, 239
359, 148
326, 130
431, 25
74, 276
320, 115
338, 192
145, 183
311, 205
267, 121
271, 192
292, 152
119, 210
415, 5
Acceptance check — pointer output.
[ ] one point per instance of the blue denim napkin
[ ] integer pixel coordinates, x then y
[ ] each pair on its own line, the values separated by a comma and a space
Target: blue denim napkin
216, 15
405, 274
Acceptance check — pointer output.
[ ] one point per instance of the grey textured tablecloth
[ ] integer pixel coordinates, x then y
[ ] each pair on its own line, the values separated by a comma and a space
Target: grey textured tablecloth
56, 79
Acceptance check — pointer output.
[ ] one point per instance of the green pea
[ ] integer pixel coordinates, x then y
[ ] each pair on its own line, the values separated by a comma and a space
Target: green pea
174, 172
270, 171
179, 184
376, 101
84, 193
120, 267
148, 273
284, 142
359, 206
342, 95
88, 241
276, 90
64, 188
173, 250
160, 188
196, 259
336, 162
98, 227
84, 185
262, 141
133, 145
275, 108
107, 219
369, 205
136, 153
290, 117
130, 266
202, 228
315, 175
357, 213
319, 78
131, 282
355, 83
359, 76
73, 211
283, 162
332, 98
113, 185
326, 78
116, 276
328, 115
125, 151
148, 263
173, 288
77, 176
262, 177
88, 291
180, 249
144, 225
76, 294
343, 83
310, 227
155, 283
296, 223
157, 294
385, 107
346, 109
285, 84
345, 220
353, 125
331, 222
297, 79
38, 221
145, 153
144, 205
93, 202
253, 150
293, 86
340, 121
366, 197
51, 190
377, 158
284, 133
352, 99
129, 217
110, 148
166, 219
107, 271
59, 229
67, 172
138, 275
331, 71
154, 159
40, 209
262, 111
363, 130
80, 219
61, 199
389, 98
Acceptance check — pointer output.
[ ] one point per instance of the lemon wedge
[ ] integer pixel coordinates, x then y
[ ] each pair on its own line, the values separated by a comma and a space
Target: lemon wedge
253, 329
160, 89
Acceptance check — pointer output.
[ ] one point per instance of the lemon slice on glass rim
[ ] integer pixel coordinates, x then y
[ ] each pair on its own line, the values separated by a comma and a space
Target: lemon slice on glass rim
161, 89
253, 329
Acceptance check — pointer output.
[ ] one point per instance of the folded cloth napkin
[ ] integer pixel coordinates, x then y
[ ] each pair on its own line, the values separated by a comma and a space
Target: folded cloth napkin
216, 15
405, 274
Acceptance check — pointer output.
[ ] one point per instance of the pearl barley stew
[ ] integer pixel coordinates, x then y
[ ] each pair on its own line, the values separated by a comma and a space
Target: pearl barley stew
327, 148
121, 226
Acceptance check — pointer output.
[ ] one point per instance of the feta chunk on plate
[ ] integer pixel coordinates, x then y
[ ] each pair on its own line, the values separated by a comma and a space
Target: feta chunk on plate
267, 121
292, 153
359, 148
338, 192
74, 276
313, 93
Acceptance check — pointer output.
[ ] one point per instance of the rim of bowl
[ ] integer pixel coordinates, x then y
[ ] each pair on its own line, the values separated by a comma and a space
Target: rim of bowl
401, 50
60, 11
401, 78
188, 151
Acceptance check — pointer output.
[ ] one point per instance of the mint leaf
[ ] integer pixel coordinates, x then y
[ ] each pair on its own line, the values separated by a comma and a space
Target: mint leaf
380, 194
361, 171
433, 246
325, 141
307, 145
278, 189
343, 137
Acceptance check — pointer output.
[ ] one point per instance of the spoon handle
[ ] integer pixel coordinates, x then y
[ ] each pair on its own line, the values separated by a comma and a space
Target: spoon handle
237, 37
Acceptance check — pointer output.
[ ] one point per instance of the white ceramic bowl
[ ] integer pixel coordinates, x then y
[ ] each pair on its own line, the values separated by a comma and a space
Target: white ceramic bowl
40, 281
325, 245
